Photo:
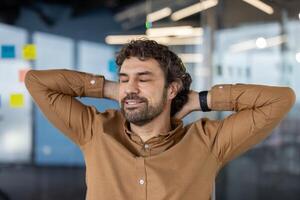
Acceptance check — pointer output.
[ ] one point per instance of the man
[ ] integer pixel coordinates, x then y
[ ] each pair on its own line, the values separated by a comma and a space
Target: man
144, 151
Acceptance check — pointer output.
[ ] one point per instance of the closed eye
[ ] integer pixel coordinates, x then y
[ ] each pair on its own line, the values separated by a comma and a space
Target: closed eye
144, 80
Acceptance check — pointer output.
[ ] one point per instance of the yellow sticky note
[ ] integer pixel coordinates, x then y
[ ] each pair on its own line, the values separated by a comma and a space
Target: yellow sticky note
29, 52
16, 100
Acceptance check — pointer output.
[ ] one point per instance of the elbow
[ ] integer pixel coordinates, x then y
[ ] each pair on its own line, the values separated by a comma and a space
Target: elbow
289, 96
28, 78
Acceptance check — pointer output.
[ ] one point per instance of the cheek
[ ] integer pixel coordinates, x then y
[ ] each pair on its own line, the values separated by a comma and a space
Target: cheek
122, 94
155, 95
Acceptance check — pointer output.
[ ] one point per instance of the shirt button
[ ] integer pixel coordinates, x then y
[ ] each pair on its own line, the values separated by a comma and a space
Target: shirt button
92, 82
141, 182
146, 146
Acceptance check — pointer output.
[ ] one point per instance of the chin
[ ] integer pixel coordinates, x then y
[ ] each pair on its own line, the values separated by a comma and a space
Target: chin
140, 122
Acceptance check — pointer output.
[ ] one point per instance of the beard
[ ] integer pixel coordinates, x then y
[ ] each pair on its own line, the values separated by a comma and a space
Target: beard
143, 113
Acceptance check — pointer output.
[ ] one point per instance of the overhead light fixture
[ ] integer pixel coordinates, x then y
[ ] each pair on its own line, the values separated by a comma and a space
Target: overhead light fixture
178, 35
160, 14
171, 41
275, 41
191, 57
122, 39
243, 46
261, 6
175, 31
298, 57
193, 9
174, 41
260, 43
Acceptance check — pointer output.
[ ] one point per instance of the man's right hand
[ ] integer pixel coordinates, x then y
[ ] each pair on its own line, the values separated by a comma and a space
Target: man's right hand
192, 104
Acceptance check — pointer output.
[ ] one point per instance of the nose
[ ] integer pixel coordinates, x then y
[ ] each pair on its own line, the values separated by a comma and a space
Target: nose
131, 87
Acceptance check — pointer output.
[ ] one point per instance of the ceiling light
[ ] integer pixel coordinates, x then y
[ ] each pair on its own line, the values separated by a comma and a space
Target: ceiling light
193, 9
261, 6
277, 40
171, 41
174, 31
122, 39
160, 14
243, 46
261, 43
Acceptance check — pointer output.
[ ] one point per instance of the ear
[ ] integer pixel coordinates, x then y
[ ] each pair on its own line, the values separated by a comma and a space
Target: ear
173, 89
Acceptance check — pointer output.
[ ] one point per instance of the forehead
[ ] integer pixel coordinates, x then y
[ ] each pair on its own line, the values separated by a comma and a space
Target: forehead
134, 65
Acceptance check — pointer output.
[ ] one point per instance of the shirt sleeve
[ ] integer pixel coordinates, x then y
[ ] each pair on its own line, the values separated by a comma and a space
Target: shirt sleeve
258, 109
55, 92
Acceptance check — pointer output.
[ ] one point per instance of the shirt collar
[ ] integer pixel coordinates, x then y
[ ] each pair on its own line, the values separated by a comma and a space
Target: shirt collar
176, 125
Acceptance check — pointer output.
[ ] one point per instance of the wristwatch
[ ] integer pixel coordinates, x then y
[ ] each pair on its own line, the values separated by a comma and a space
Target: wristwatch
203, 101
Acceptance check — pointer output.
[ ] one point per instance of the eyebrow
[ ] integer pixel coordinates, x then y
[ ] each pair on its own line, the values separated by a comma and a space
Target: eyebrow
139, 73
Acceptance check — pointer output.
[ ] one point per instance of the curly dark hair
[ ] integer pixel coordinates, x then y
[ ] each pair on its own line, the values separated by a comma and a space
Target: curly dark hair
170, 63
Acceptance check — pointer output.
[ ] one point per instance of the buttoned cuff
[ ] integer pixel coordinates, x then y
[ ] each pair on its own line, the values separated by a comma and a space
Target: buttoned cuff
221, 98
94, 85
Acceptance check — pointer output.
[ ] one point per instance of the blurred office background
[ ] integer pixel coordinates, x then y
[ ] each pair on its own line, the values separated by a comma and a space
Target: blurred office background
220, 41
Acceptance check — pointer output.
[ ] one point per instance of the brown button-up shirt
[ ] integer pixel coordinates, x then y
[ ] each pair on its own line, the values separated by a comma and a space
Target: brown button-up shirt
178, 165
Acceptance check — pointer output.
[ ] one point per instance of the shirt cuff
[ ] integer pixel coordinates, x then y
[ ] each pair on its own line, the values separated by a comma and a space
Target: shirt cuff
221, 98
94, 85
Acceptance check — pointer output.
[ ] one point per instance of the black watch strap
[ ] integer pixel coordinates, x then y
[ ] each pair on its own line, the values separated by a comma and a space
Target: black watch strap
203, 101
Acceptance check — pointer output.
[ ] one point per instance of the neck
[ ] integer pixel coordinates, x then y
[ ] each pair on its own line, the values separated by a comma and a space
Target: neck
160, 124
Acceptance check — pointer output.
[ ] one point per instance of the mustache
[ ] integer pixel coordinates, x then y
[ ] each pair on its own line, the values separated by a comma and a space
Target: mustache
133, 96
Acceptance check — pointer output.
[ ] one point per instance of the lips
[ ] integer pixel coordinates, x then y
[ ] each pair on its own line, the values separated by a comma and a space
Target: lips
133, 103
